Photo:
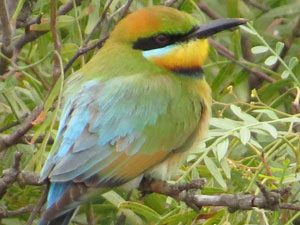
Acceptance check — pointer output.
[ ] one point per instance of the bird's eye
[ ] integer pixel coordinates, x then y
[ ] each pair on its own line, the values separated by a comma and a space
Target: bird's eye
161, 39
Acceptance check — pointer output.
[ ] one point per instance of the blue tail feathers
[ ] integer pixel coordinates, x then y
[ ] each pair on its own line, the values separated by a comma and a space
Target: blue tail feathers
55, 192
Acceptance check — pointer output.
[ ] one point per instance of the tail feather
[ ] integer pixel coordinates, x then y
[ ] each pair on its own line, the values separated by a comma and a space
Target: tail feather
61, 220
63, 200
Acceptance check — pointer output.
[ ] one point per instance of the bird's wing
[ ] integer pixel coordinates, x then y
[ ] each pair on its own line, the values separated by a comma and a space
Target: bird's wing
112, 131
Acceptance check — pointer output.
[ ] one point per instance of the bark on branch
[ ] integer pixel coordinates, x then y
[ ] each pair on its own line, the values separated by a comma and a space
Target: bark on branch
270, 200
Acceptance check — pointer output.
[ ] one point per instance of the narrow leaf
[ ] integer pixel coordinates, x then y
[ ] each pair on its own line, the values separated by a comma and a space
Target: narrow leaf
291, 119
268, 128
226, 168
213, 169
222, 148
224, 123
141, 210
272, 115
245, 135
243, 116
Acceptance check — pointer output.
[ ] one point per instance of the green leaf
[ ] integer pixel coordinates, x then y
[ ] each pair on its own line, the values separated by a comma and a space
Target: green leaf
271, 114
255, 143
259, 49
285, 74
293, 62
117, 200
141, 209
245, 135
222, 79
213, 169
62, 21
224, 123
271, 60
182, 217
243, 116
113, 197
236, 41
292, 179
291, 119
68, 50
222, 148
232, 8
268, 128
279, 47
54, 93
226, 168
93, 16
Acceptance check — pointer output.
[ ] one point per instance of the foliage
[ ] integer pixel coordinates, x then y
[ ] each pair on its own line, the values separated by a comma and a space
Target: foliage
254, 130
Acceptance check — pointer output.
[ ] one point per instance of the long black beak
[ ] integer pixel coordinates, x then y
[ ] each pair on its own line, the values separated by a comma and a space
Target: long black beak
213, 27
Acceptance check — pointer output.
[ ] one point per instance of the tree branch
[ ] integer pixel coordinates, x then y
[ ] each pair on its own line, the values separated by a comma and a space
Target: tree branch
269, 200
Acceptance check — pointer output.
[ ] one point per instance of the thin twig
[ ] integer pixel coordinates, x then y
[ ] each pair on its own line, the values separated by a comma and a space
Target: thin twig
38, 207
13, 124
36, 20
82, 51
4, 213
7, 47
258, 5
10, 175
25, 127
57, 45
207, 10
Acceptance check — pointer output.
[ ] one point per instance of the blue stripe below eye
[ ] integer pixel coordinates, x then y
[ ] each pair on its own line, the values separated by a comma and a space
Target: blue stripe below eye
158, 51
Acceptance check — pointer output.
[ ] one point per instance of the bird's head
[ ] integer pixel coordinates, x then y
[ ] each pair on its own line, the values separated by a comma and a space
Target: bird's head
170, 38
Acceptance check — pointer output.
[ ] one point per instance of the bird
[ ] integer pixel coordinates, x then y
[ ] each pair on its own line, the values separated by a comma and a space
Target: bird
135, 109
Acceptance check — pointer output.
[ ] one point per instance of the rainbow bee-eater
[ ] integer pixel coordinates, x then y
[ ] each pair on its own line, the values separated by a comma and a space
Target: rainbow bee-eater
134, 109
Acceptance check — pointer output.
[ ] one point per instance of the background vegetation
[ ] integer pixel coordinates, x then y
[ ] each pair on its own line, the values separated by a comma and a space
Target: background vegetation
255, 78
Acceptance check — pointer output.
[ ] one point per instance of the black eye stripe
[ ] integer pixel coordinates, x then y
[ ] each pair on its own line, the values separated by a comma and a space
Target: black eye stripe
149, 43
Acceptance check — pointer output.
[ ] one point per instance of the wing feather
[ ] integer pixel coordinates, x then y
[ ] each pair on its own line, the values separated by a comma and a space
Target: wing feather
113, 131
